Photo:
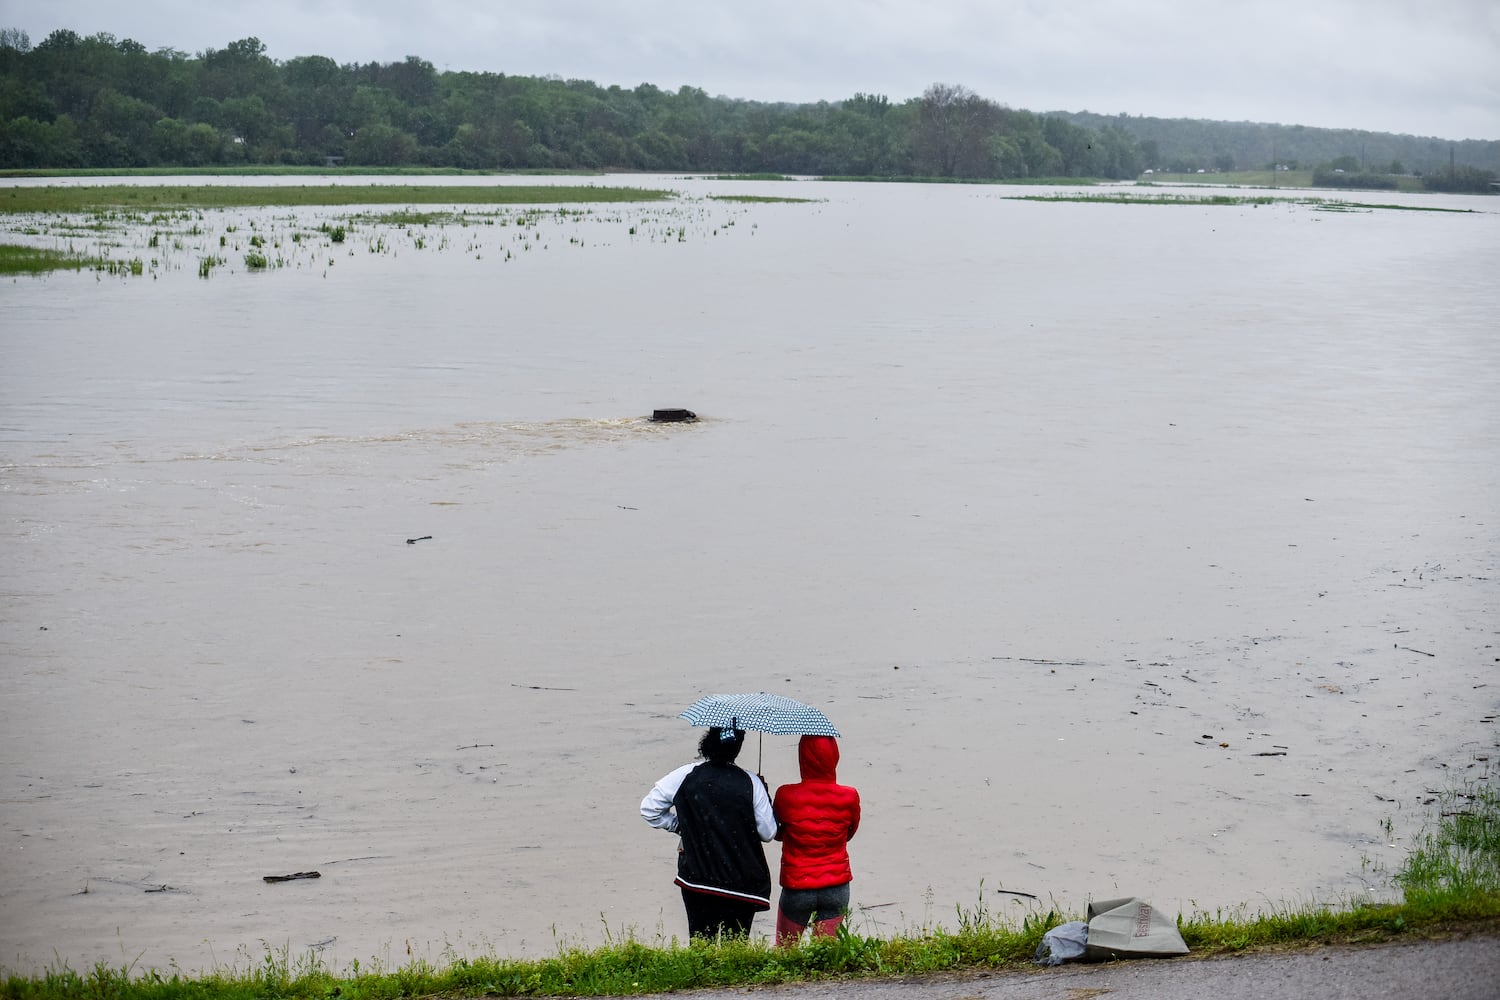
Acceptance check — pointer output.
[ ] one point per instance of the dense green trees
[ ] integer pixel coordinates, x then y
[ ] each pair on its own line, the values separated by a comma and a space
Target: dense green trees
72, 101
1464, 180
1182, 145
98, 101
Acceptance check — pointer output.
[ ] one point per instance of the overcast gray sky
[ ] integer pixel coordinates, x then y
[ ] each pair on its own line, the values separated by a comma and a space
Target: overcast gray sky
1425, 67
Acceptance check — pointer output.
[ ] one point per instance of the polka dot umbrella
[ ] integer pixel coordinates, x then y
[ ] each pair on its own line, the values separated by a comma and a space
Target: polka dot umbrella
760, 712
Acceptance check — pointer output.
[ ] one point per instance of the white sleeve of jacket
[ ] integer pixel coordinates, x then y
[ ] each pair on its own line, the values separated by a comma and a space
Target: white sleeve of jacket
765, 817
656, 807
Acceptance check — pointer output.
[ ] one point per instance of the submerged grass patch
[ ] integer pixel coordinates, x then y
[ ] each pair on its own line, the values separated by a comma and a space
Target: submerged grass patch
34, 260
256, 239
1461, 856
16, 260
1322, 204
1262, 178
1000, 181
124, 197
407, 217
759, 199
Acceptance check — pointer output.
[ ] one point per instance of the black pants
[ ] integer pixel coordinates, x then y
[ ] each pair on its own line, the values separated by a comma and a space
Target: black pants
711, 916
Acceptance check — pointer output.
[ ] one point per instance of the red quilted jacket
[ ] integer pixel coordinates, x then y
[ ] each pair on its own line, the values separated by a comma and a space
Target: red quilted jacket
817, 816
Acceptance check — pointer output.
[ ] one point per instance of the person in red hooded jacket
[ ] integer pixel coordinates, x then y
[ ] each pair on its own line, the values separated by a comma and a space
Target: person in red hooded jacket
815, 817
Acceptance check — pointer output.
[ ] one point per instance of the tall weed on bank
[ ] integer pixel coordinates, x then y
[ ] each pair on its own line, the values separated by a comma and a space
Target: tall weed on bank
1461, 856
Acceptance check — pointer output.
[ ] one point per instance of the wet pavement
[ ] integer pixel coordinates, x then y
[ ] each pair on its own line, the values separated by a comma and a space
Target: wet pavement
1459, 968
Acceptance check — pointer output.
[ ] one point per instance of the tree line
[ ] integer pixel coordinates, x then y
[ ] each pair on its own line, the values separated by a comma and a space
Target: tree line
102, 102
1183, 145
98, 101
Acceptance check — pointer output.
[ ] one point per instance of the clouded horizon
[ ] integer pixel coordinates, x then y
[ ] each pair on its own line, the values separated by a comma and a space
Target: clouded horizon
1418, 67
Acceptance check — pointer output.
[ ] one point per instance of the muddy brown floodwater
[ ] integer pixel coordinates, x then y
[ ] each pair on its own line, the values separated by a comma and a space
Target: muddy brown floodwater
1135, 550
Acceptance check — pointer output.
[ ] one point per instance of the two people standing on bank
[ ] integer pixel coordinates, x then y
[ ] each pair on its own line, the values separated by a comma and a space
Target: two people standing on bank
724, 816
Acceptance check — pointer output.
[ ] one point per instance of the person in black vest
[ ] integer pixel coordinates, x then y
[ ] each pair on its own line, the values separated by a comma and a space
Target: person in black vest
723, 814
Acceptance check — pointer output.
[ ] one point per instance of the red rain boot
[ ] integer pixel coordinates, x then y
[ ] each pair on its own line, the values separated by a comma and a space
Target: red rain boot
788, 932
829, 927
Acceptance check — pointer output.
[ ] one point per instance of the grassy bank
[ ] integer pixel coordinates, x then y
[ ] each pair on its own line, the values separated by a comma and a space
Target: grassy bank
1450, 880
993, 181
1321, 204
1236, 178
172, 197
281, 170
1263, 178
631, 967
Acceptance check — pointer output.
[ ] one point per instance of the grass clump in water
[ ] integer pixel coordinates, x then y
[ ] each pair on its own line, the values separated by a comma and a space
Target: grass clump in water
35, 261
1460, 859
15, 259
759, 199
992, 181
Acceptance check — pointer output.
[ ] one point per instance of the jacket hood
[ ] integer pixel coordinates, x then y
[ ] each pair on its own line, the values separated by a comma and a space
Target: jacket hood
818, 757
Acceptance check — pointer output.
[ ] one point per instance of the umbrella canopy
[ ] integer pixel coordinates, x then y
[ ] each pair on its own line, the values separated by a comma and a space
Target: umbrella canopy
761, 713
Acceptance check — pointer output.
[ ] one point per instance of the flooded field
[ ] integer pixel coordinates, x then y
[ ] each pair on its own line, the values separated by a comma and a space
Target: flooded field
1135, 549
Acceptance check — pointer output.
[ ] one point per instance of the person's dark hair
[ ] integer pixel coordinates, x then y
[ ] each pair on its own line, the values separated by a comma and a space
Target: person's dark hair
721, 745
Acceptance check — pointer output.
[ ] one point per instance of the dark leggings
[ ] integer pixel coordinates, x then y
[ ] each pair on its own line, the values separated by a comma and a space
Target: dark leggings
800, 905
711, 916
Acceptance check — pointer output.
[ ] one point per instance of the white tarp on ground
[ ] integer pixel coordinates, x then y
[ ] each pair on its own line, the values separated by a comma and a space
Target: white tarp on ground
1131, 928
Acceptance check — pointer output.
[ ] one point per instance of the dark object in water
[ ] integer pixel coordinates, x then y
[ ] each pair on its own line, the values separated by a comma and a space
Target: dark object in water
288, 878
413, 541
673, 416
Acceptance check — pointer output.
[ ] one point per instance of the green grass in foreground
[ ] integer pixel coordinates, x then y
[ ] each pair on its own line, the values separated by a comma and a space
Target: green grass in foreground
1450, 880
154, 198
